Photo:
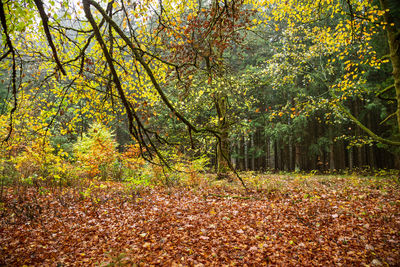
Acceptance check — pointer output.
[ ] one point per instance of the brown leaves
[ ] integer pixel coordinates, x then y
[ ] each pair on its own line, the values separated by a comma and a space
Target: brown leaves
321, 226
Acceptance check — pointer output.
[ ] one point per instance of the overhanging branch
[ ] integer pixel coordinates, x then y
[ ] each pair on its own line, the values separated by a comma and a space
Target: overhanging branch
45, 21
366, 129
148, 70
14, 68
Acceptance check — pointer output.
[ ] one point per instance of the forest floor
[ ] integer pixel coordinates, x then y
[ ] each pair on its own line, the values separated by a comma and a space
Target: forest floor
298, 220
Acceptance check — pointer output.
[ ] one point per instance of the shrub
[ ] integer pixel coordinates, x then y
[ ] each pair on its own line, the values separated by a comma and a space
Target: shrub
96, 152
132, 161
187, 170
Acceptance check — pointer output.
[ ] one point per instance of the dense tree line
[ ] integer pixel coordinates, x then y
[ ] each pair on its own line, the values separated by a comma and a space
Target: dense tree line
277, 85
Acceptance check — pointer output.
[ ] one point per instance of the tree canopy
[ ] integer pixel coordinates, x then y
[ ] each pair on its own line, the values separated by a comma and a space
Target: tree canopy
210, 69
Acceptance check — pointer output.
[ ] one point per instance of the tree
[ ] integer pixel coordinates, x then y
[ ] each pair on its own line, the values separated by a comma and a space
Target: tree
133, 39
167, 54
330, 30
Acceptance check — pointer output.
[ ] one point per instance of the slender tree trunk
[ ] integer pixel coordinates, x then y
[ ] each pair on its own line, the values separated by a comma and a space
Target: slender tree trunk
358, 150
396, 162
331, 157
351, 158
272, 160
272, 154
290, 155
260, 147
297, 164
276, 158
234, 152
241, 151
253, 157
285, 161
246, 162
267, 153
392, 31
342, 156
359, 157
331, 149
223, 154
371, 152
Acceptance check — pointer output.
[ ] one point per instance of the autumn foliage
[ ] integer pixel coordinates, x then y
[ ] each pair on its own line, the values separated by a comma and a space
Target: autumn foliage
302, 220
199, 133
95, 151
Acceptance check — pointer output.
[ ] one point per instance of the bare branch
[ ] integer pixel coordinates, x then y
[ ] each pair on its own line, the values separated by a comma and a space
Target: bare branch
45, 21
14, 70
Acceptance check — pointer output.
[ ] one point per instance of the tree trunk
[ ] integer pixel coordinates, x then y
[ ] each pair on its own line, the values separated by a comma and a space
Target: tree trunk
397, 162
357, 149
276, 158
267, 154
341, 156
331, 158
260, 149
286, 157
371, 154
246, 162
233, 159
253, 156
241, 152
350, 158
271, 162
290, 156
223, 154
392, 32
297, 164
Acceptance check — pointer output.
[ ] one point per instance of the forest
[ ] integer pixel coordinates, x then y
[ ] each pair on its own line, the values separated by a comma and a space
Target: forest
200, 133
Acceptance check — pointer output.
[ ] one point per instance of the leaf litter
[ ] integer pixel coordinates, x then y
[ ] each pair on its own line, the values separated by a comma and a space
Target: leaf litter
342, 223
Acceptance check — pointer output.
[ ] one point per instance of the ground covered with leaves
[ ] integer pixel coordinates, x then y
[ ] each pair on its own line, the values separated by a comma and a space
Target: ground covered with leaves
283, 220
